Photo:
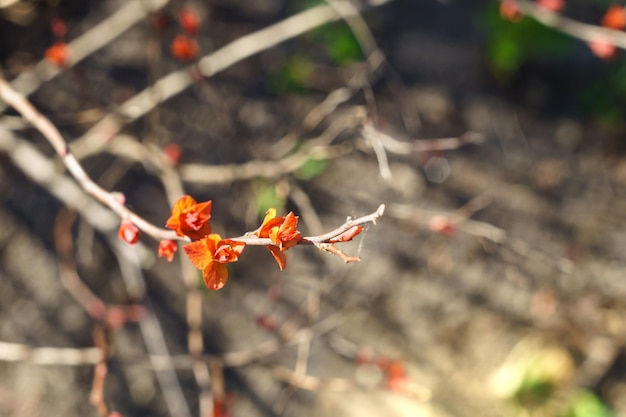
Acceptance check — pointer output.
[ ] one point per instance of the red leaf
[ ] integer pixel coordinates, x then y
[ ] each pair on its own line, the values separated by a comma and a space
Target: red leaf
347, 235
278, 255
210, 254
281, 230
215, 276
201, 252
190, 218
128, 232
167, 249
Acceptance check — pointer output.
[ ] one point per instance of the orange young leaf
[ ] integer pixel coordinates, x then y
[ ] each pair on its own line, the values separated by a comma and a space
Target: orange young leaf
278, 255
167, 249
190, 218
348, 235
281, 230
210, 254
128, 232
615, 18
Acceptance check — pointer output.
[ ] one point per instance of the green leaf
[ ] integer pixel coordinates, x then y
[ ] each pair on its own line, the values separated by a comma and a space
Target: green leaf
311, 168
587, 404
268, 197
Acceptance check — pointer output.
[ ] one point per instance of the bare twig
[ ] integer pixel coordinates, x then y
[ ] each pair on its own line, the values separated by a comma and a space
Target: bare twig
97, 397
52, 134
14, 352
151, 330
396, 146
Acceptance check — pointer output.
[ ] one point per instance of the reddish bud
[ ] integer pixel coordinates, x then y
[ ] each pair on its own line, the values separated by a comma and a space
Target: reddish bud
267, 323
58, 54
119, 197
603, 49
185, 48
509, 10
128, 232
115, 317
189, 21
442, 224
364, 356
136, 313
114, 414
59, 28
553, 5
167, 249
159, 21
172, 152
96, 308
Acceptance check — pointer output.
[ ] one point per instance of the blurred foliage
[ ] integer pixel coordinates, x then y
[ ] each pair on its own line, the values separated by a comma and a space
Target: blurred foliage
311, 168
587, 404
605, 96
294, 76
337, 42
511, 44
267, 196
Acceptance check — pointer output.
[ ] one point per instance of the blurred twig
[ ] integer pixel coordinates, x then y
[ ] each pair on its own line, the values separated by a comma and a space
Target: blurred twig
51, 133
97, 37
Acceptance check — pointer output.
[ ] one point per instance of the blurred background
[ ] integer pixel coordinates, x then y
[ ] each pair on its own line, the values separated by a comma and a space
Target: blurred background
494, 284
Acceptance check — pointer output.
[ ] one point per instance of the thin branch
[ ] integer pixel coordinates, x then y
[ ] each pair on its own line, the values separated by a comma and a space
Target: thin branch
248, 239
52, 134
396, 146
150, 328
97, 397
16, 352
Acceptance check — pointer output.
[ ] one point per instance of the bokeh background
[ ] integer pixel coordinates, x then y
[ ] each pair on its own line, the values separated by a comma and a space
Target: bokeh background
494, 285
